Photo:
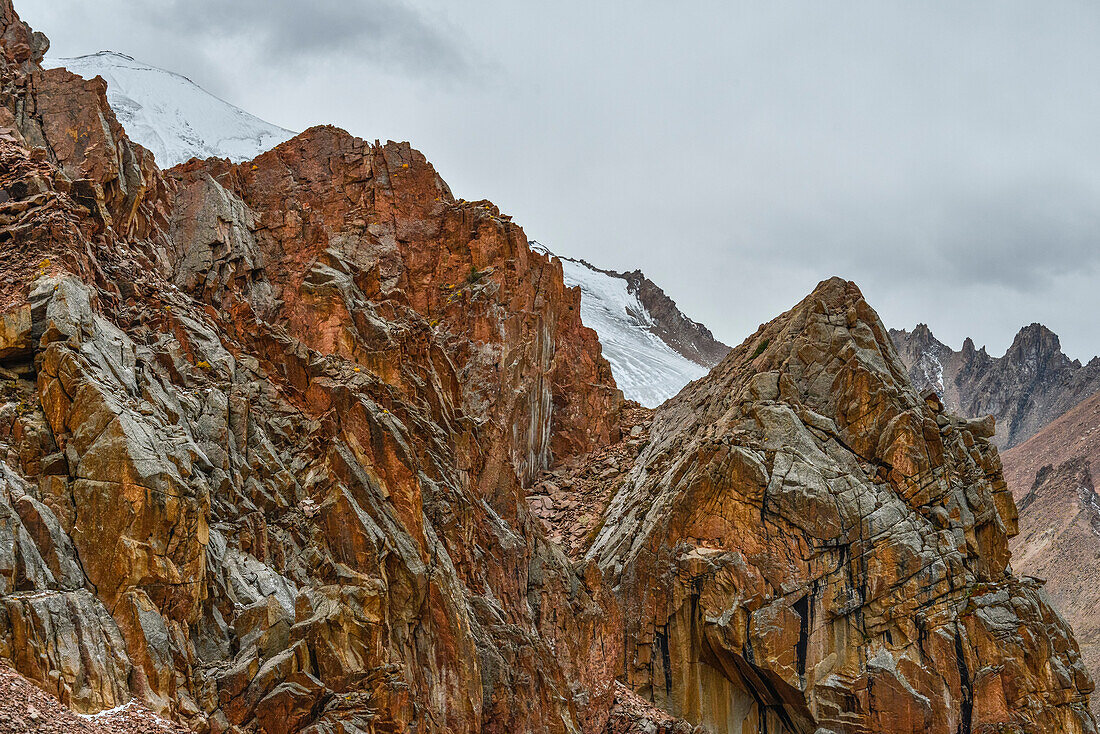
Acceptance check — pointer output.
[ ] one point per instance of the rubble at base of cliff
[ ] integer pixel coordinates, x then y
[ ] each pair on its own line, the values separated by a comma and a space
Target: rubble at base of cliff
570, 499
25, 709
632, 714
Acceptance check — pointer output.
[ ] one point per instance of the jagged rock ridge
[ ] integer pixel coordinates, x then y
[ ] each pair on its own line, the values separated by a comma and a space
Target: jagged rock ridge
266, 436
654, 349
688, 338
1027, 388
805, 544
264, 431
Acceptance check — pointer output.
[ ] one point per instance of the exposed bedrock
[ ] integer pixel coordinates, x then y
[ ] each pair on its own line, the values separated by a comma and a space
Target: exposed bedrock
268, 431
807, 542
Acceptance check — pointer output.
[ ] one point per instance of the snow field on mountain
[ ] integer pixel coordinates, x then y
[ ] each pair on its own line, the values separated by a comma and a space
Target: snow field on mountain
645, 368
171, 115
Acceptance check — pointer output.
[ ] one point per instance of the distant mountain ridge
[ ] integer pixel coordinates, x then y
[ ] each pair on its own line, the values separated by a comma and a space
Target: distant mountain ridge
1031, 385
172, 116
654, 349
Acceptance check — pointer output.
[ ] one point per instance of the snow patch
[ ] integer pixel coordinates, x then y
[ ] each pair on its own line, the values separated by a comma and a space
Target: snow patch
932, 371
645, 368
109, 712
172, 116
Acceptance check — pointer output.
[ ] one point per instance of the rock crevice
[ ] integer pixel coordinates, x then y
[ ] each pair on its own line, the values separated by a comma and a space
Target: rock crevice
306, 444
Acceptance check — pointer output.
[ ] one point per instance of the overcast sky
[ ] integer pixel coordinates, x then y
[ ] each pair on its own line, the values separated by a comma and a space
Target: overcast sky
944, 155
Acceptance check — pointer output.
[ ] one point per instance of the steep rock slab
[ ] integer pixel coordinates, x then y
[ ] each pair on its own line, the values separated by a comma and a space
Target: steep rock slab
529, 370
253, 477
172, 116
806, 543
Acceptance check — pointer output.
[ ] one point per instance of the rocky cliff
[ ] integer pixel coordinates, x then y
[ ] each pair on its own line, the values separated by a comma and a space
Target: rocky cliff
1027, 388
1053, 477
264, 432
277, 443
806, 544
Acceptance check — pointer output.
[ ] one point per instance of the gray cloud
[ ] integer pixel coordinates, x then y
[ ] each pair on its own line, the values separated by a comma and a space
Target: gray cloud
1024, 235
287, 33
1025, 239
941, 154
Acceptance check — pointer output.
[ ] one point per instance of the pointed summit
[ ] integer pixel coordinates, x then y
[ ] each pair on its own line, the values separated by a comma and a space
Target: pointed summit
923, 333
804, 485
923, 354
833, 355
1031, 385
1035, 343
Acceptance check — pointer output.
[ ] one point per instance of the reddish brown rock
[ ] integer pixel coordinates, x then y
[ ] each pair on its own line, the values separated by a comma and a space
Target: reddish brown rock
328, 203
285, 483
1053, 477
570, 500
267, 439
806, 542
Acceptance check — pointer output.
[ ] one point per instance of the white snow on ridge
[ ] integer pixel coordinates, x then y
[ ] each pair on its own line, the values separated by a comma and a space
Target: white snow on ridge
932, 369
178, 120
645, 368
171, 115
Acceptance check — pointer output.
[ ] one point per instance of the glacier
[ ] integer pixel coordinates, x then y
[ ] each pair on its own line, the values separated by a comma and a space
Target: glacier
172, 116
645, 368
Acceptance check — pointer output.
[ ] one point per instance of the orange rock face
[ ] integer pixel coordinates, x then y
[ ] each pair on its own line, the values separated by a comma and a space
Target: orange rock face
805, 544
271, 436
529, 370
265, 431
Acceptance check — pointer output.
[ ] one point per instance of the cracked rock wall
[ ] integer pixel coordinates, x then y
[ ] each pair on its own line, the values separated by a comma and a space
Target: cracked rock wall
808, 543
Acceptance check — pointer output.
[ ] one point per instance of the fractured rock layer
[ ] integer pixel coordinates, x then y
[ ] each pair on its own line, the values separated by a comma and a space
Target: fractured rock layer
264, 432
271, 436
807, 543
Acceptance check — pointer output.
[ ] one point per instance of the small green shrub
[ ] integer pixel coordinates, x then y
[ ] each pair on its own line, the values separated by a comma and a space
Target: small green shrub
475, 275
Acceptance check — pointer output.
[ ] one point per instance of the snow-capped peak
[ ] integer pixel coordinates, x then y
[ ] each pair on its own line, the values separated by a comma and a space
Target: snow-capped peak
178, 120
645, 367
171, 115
